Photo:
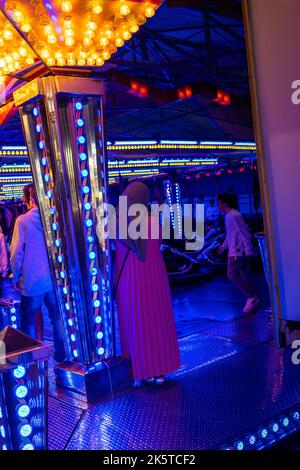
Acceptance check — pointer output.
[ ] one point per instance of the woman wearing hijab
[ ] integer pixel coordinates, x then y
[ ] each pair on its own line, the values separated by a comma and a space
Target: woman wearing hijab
146, 319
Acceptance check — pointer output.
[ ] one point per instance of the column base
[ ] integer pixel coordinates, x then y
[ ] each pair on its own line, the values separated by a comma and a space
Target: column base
90, 383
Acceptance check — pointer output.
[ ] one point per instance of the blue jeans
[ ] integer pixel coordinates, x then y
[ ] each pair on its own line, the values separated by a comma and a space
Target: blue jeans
29, 309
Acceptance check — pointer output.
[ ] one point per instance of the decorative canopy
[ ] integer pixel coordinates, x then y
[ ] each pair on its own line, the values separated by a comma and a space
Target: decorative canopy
70, 34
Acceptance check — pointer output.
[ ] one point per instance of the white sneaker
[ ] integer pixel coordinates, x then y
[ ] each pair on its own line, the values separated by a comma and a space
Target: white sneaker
251, 304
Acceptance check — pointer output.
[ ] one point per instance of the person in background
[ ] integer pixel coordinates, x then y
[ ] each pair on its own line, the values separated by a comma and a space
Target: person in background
239, 245
145, 310
4, 265
31, 272
212, 214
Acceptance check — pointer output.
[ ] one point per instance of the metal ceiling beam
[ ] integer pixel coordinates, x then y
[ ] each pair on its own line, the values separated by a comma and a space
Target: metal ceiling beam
228, 8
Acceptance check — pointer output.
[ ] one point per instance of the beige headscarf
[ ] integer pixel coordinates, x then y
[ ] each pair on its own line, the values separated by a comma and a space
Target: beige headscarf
137, 193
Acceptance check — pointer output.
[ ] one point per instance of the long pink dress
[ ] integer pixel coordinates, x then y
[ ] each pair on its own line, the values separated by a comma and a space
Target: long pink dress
145, 312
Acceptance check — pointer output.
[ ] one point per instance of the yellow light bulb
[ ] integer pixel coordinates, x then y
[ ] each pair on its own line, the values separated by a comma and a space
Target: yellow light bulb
58, 55
45, 54
97, 9
23, 51
134, 28
82, 55
81, 62
25, 27
124, 9
30, 61
89, 33
103, 41
66, 7
7, 34
112, 48
15, 56
11, 68
90, 61
61, 62
99, 61
126, 35
69, 42
149, 12
87, 41
48, 29
109, 33
119, 42
17, 65
8, 59
52, 39
105, 55
141, 20
69, 33
50, 61
68, 23
2, 79
1, 42
18, 16
92, 25
71, 62
2, 63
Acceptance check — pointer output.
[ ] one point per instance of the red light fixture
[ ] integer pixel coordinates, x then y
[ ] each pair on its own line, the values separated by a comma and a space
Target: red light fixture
139, 89
223, 98
185, 92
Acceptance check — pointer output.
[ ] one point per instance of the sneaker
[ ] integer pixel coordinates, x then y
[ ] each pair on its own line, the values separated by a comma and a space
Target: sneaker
137, 383
150, 380
160, 380
251, 304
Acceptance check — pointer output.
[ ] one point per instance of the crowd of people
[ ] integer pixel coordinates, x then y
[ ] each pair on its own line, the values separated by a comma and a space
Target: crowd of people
141, 285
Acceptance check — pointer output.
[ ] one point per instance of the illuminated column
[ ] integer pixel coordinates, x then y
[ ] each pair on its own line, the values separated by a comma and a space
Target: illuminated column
173, 194
62, 119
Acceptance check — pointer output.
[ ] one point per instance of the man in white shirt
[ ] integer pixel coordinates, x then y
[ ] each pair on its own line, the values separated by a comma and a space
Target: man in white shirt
239, 245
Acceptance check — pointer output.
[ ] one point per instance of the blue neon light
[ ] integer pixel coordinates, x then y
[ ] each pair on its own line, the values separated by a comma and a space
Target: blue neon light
13, 310
285, 422
25, 430
97, 303
98, 319
38, 128
49, 194
80, 122
252, 439
2, 431
46, 178
14, 318
21, 391
81, 139
89, 222
240, 445
57, 243
84, 173
264, 433
54, 226
137, 142
27, 447
62, 274
19, 372
95, 287
296, 416
44, 161
73, 338
23, 411
35, 111
41, 145
83, 156
90, 239
65, 290
78, 106
100, 351
75, 353
60, 258
86, 189
67, 306
99, 335
275, 427
70, 322
94, 271
87, 206
92, 255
